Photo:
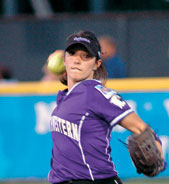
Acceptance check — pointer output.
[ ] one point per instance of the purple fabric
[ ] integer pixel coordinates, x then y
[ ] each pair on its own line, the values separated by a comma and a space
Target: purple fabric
164, 165
157, 138
81, 125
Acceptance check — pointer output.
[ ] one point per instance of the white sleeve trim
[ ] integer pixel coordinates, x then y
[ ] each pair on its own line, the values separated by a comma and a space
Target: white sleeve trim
114, 121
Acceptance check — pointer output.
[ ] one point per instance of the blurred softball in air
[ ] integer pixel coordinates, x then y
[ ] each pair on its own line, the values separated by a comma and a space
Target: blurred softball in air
56, 62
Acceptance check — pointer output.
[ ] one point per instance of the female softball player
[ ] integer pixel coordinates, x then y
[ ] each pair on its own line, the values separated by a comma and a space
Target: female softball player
85, 114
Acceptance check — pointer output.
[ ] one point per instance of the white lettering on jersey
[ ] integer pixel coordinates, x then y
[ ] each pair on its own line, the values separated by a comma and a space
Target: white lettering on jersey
116, 99
75, 131
65, 127
68, 126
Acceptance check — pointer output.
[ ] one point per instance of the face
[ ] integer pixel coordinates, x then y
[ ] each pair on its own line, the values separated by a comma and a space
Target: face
80, 65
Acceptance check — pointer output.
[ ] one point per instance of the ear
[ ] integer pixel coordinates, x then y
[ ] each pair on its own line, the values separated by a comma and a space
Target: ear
97, 64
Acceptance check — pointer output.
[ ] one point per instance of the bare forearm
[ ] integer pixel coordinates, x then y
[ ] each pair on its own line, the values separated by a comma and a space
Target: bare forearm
133, 123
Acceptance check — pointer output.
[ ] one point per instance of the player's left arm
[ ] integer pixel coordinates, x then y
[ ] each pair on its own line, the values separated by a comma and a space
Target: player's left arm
133, 123
136, 125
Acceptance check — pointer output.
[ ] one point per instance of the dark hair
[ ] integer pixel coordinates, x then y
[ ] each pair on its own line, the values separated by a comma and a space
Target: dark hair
100, 73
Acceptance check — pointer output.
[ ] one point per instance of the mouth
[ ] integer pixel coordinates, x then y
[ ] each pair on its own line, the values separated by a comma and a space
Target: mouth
75, 68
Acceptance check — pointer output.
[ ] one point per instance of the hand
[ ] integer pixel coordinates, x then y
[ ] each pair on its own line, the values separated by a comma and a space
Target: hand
160, 149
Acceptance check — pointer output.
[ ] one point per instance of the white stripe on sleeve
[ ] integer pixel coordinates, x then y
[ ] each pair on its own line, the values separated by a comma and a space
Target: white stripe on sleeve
114, 121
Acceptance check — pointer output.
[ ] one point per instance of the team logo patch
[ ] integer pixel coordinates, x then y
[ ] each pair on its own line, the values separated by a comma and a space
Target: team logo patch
106, 92
111, 95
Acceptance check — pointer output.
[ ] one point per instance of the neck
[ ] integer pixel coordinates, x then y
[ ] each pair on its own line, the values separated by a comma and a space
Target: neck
71, 84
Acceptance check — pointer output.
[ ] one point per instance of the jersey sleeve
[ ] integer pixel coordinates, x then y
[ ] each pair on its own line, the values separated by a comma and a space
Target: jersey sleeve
107, 104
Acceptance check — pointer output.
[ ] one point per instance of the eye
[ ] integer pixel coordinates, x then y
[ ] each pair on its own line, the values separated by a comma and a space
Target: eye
86, 56
71, 52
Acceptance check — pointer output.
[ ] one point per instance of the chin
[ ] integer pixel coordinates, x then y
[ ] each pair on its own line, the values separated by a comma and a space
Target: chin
78, 79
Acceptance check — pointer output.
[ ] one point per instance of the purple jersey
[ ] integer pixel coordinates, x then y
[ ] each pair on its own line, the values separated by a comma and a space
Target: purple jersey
81, 125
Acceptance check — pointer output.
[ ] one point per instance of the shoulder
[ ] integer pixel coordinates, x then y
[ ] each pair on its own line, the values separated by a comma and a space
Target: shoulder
104, 91
110, 96
96, 91
89, 85
97, 87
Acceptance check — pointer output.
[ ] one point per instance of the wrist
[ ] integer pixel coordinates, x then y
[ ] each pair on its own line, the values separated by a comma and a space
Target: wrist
157, 138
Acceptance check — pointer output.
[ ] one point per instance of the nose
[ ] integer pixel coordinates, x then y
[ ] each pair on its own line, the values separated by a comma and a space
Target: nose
77, 59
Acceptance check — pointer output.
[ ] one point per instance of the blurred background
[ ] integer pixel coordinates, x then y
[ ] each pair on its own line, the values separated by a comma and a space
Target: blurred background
134, 35
31, 29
